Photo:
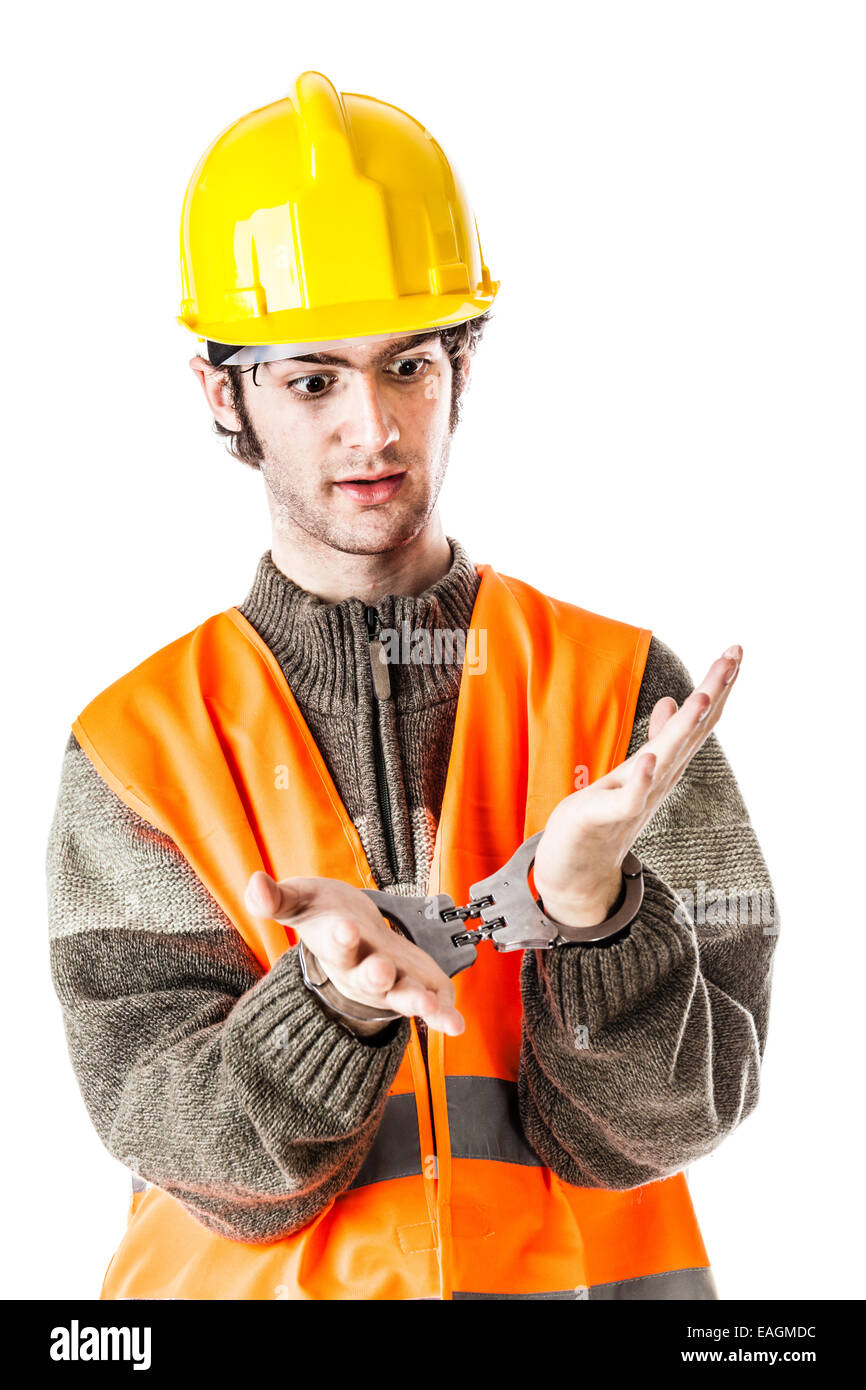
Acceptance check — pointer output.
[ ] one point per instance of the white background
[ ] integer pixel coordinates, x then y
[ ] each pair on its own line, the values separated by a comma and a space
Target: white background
665, 425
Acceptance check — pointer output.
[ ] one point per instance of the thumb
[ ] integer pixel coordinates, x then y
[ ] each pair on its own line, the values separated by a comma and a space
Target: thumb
265, 897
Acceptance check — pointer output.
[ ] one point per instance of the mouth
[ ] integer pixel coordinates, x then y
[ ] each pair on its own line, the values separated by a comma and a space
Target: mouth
372, 490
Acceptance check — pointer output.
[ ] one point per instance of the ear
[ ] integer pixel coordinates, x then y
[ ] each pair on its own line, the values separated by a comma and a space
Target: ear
215, 384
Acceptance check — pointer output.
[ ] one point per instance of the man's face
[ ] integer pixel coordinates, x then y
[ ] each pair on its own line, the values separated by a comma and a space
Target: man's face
354, 441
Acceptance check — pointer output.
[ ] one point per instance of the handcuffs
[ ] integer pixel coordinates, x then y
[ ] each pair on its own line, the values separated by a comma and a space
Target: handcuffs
509, 916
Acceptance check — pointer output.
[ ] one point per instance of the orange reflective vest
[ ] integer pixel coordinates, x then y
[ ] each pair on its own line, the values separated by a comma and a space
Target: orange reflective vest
205, 740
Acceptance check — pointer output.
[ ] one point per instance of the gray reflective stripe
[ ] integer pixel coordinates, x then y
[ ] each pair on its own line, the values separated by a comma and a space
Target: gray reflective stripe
690, 1284
484, 1120
695, 1284
396, 1150
517, 1297
139, 1184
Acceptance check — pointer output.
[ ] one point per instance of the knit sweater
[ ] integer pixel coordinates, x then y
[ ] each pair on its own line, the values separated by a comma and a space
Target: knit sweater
638, 1055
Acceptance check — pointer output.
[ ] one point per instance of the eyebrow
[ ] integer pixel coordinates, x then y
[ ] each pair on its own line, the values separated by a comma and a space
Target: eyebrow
332, 358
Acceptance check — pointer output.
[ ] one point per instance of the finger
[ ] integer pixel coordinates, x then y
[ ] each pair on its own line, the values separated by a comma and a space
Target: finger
722, 673
445, 1019
421, 1002
377, 974
681, 740
663, 710
410, 997
416, 964
698, 717
707, 700
690, 727
729, 679
437, 988
676, 735
336, 940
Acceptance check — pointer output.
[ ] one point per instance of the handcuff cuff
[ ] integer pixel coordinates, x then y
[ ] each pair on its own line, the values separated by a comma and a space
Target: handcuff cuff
508, 914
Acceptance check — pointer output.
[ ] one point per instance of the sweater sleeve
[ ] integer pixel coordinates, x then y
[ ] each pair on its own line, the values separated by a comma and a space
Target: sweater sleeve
641, 1054
227, 1086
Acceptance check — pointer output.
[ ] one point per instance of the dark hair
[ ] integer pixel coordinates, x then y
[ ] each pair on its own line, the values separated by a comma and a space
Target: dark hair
459, 340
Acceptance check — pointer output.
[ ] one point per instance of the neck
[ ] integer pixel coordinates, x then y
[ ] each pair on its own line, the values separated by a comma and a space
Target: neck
333, 575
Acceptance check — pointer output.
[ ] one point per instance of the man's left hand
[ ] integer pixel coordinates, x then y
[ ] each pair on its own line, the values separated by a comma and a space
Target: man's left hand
578, 862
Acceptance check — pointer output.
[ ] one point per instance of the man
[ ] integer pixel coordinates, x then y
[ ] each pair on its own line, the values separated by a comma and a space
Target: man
313, 1107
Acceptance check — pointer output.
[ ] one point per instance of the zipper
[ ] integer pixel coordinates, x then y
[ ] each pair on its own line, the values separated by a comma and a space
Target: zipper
382, 691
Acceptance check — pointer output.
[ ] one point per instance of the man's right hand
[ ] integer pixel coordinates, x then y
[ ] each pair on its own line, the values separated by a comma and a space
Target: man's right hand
366, 960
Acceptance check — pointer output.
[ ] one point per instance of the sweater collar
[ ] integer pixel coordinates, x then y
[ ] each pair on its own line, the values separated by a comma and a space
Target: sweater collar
323, 648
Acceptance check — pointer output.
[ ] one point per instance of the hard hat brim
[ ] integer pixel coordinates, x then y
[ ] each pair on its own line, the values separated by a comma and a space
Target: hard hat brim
332, 322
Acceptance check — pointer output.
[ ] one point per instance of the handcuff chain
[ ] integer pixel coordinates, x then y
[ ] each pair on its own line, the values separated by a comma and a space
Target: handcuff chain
472, 909
461, 914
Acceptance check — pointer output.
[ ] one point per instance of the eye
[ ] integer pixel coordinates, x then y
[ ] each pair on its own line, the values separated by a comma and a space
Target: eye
420, 363
319, 381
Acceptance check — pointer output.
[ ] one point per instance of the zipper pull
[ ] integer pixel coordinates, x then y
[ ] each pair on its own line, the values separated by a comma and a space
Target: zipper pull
378, 660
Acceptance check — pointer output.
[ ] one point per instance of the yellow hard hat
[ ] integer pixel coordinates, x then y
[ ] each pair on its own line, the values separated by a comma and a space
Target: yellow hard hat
327, 216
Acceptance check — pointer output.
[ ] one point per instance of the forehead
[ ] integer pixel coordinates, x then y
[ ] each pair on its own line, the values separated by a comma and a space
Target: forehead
362, 352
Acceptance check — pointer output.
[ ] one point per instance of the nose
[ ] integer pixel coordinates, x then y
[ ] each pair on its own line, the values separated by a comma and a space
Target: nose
366, 424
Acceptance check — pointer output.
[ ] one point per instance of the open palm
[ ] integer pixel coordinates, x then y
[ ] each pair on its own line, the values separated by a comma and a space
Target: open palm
589, 834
